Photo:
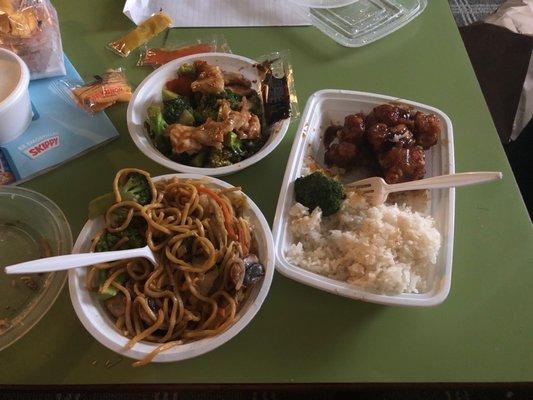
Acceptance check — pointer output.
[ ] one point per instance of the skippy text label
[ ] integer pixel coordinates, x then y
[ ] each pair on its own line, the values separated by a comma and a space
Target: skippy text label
39, 145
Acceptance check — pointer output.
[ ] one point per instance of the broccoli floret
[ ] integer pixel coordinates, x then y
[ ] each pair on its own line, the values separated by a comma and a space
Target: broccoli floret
319, 190
135, 232
106, 242
233, 98
157, 128
156, 121
253, 146
233, 143
222, 158
134, 188
199, 159
172, 109
168, 94
207, 105
187, 70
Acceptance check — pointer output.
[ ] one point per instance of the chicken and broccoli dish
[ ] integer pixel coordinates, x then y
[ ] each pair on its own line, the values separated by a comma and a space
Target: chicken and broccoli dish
208, 117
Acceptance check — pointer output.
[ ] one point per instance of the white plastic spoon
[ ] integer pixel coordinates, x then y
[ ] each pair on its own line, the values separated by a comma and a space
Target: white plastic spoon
68, 261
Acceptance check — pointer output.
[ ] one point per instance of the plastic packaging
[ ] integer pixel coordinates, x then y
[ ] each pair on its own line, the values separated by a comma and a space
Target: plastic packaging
155, 57
331, 106
145, 31
277, 86
30, 28
355, 23
103, 92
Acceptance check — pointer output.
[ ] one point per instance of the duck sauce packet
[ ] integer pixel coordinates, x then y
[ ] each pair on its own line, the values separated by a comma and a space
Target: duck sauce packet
145, 31
103, 92
155, 57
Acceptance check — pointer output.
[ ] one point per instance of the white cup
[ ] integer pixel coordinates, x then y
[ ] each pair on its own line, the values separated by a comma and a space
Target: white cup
15, 106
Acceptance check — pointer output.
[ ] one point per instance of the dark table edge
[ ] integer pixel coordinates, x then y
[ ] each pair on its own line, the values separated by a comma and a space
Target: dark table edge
288, 387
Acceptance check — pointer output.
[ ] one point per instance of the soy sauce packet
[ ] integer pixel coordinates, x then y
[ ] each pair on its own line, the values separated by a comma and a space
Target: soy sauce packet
277, 87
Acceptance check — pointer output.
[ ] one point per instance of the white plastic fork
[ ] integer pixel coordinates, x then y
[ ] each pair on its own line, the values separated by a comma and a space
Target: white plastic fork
378, 190
68, 261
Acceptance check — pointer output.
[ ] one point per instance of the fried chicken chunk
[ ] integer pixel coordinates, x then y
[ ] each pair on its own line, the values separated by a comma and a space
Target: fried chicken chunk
342, 154
353, 129
209, 79
401, 164
427, 129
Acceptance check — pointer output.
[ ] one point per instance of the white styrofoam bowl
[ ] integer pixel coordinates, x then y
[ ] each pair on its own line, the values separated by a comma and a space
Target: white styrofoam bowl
331, 106
149, 92
94, 317
15, 109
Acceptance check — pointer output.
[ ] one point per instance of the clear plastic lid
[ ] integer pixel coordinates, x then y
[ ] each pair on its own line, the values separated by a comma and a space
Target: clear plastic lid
356, 23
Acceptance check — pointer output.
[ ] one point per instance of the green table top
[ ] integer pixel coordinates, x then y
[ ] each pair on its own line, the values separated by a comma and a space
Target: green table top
482, 332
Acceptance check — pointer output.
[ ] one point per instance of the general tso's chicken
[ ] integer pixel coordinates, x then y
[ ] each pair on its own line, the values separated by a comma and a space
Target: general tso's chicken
378, 135
401, 164
393, 114
191, 139
353, 129
400, 135
427, 129
245, 124
209, 79
331, 134
342, 154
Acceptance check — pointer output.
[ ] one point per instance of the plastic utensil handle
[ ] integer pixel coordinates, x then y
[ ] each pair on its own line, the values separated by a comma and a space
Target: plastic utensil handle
68, 261
447, 181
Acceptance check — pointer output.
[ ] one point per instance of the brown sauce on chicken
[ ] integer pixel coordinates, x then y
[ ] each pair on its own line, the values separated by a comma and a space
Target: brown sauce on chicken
392, 137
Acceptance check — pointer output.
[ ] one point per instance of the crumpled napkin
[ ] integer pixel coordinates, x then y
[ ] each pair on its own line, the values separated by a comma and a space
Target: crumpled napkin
196, 13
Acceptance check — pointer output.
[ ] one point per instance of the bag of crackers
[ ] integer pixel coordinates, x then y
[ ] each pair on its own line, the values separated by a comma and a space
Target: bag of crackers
30, 28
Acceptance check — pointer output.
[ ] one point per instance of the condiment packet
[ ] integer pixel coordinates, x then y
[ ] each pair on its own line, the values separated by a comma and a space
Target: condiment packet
277, 86
104, 91
145, 31
155, 57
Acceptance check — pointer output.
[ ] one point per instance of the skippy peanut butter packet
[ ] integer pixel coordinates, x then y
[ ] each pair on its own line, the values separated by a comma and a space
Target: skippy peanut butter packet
105, 91
145, 31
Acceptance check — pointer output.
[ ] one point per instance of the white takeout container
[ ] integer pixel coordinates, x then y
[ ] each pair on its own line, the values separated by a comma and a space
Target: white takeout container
15, 109
331, 106
149, 92
95, 319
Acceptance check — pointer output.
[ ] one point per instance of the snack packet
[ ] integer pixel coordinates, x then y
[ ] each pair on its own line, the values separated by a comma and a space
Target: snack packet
155, 57
105, 91
30, 28
145, 31
277, 87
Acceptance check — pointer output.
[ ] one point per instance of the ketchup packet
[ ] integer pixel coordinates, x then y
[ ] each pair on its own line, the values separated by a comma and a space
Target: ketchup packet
157, 56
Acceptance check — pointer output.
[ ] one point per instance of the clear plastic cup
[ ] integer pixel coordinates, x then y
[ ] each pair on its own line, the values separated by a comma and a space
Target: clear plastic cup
31, 227
355, 23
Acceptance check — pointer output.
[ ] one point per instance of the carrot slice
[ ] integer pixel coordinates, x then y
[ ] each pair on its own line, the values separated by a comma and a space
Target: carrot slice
228, 223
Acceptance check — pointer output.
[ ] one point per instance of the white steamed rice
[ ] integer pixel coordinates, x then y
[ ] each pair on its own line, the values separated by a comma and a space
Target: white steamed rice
387, 249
